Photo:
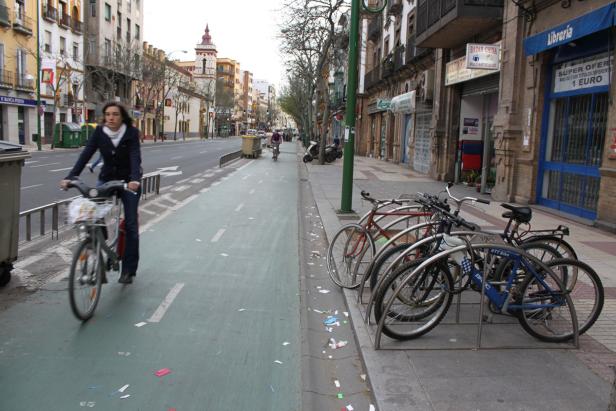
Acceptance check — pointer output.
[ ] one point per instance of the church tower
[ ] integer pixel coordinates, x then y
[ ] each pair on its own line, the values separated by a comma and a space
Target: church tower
205, 61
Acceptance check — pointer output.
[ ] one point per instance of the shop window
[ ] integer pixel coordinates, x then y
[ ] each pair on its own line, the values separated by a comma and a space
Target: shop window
107, 12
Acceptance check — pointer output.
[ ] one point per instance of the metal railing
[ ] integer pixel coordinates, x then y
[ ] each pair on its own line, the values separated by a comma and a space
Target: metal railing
24, 81
6, 79
65, 20
50, 13
150, 184
77, 26
22, 22
227, 158
399, 57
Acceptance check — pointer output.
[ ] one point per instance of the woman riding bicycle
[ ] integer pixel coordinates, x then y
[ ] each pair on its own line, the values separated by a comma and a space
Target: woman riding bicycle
118, 142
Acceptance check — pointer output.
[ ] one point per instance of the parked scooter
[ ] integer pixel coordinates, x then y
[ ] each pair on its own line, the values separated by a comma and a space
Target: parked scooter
312, 152
332, 152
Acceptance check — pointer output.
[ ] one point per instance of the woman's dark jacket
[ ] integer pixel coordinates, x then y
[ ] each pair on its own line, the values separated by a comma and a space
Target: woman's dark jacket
120, 163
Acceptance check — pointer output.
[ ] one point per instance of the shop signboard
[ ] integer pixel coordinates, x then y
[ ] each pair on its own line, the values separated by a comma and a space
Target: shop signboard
483, 56
594, 71
16, 101
456, 72
383, 104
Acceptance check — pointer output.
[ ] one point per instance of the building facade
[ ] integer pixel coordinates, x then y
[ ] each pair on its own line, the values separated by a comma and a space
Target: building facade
62, 79
18, 120
246, 101
112, 52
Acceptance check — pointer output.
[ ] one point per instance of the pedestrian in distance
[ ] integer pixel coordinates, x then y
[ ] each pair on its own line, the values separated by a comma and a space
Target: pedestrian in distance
118, 142
95, 164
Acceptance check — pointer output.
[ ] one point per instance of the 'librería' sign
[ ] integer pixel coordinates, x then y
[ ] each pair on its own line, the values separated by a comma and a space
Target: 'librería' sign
584, 73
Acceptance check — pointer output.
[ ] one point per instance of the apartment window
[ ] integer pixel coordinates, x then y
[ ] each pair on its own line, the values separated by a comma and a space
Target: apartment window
137, 32
20, 9
107, 49
21, 63
75, 51
1, 60
107, 12
119, 20
62, 46
75, 91
93, 9
47, 40
92, 48
63, 9
128, 22
128, 5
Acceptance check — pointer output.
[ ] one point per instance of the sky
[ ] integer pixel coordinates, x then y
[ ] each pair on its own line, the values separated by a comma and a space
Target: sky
244, 30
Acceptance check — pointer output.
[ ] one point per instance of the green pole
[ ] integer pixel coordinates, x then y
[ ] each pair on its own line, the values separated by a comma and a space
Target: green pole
349, 132
38, 78
346, 205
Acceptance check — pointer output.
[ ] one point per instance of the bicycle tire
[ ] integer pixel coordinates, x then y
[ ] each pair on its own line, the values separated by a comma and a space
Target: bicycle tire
563, 247
547, 253
87, 276
411, 325
585, 289
550, 324
344, 264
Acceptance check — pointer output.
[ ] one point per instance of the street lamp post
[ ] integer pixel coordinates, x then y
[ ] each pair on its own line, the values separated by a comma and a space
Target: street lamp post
346, 204
38, 79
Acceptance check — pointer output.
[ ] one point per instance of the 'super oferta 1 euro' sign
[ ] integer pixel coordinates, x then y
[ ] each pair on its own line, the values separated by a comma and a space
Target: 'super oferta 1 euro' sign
583, 73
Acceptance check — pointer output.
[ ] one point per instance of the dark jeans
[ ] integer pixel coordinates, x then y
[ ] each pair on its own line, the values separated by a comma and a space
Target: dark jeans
131, 224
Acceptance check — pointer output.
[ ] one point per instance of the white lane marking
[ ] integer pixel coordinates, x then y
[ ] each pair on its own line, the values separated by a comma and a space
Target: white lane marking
176, 157
202, 152
60, 169
218, 234
239, 207
181, 188
215, 184
182, 181
197, 181
246, 165
260, 182
27, 187
30, 162
146, 211
204, 190
44, 165
251, 191
164, 306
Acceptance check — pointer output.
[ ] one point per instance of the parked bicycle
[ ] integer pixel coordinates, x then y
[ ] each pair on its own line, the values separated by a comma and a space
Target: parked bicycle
97, 217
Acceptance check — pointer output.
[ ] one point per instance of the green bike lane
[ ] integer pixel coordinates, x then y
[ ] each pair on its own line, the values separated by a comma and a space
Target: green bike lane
217, 289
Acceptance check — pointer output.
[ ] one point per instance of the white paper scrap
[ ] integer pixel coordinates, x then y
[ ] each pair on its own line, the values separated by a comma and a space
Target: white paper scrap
198, 240
242, 309
125, 396
346, 314
372, 408
278, 362
141, 324
124, 388
318, 311
224, 254
324, 291
337, 383
286, 343
363, 377
350, 407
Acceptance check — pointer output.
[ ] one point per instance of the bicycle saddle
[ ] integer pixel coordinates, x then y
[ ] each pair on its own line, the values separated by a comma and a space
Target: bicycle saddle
519, 214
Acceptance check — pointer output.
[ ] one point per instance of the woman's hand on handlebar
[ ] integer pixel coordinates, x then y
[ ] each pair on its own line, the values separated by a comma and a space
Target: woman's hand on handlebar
64, 184
133, 186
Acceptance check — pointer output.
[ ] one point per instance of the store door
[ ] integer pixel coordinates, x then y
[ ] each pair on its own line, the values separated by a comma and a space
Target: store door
21, 128
406, 138
571, 154
1, 123
383, 146
423, 153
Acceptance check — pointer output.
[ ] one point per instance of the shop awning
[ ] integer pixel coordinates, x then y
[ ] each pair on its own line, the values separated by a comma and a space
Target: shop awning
584, 25
404, 103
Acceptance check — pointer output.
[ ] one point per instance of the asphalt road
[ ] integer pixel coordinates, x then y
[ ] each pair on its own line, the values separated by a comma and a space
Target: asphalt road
179, 159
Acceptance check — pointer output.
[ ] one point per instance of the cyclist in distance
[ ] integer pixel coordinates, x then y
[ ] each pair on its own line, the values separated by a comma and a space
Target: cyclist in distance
276, 141
118, 142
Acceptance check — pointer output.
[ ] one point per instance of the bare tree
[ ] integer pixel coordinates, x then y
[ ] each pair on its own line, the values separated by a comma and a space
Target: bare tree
308, 37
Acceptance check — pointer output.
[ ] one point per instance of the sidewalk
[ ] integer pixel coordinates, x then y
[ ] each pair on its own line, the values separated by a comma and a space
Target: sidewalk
426, 378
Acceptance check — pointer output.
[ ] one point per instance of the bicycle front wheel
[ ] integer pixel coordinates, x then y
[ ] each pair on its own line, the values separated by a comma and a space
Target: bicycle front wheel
85, 280
349, 255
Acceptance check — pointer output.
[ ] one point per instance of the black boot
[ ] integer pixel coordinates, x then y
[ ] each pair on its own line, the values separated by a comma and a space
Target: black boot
126, 278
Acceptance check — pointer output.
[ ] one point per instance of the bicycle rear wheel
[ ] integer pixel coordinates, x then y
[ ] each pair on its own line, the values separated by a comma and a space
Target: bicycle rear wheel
545, 307
349, 255
85, 280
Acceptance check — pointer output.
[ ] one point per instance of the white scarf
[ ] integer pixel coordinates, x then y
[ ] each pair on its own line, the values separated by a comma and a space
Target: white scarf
115, 136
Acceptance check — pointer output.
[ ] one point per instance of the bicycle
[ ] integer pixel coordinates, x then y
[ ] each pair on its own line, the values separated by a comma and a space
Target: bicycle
354, 246
97, 217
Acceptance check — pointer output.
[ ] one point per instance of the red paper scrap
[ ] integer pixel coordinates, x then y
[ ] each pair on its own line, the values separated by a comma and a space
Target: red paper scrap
162, 372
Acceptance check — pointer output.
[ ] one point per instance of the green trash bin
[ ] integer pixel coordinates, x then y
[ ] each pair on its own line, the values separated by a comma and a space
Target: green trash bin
71, 135
12, 158
86, 131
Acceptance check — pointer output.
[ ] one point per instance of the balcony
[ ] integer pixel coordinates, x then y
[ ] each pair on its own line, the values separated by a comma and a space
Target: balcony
375, 27
387, 66
6, 79
414, 53
399, 57
5, 20
24, 82
22, 23
394, 7
50, 13
372, 78
448, 23
77, 26
65, 21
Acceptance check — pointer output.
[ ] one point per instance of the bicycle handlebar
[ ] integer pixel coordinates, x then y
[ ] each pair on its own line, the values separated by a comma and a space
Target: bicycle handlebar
103, 191
459, 201
366, 196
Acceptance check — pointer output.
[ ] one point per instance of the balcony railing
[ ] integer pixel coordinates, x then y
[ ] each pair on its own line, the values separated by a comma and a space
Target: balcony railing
399, 57
394, 7
24, 82
22, 23
413, 52
387, 66
65, 21
447, 23
6, 79
50, 13
77, 26
372, 77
